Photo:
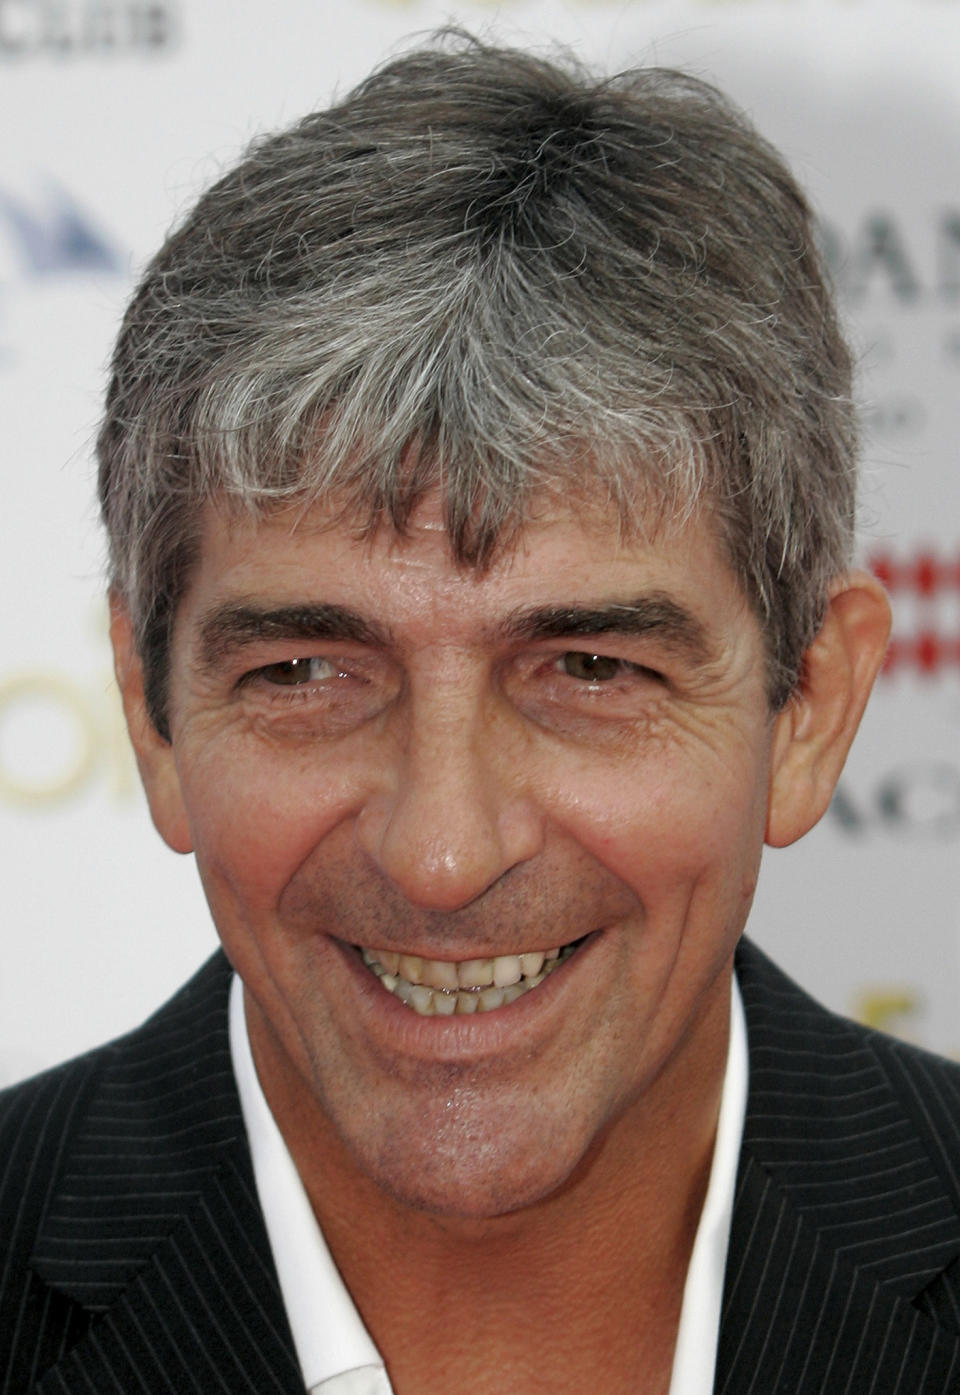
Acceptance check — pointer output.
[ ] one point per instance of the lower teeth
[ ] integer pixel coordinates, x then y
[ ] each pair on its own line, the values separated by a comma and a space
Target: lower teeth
442, 1002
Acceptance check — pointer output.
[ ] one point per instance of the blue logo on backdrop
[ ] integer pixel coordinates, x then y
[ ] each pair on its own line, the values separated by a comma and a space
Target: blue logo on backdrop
51, 236
57, 238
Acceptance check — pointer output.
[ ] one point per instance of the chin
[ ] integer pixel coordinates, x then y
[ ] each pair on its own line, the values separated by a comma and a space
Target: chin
471, 1167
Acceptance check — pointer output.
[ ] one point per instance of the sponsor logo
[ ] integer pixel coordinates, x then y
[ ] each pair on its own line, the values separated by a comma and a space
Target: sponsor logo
67, 29
894, 1008
877, 256
60, 739
63, 736
918, 799
925, 591
44, 237
56, 236
901, 1009
886, 265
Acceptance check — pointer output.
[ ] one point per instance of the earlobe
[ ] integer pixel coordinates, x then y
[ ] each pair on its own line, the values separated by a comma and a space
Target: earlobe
813, 733
155, 758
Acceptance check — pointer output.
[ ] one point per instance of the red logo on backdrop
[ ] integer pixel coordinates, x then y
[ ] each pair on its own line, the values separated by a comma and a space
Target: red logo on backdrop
925, 591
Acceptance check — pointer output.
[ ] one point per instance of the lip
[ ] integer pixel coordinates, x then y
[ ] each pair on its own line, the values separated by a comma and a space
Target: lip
395, 1030
470, 953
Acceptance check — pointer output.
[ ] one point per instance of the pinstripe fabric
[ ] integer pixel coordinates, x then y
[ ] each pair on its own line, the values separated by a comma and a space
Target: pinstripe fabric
842, 1268
129, 1200
136, 1259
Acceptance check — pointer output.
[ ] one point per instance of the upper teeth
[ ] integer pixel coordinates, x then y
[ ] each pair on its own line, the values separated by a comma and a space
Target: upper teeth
444, 986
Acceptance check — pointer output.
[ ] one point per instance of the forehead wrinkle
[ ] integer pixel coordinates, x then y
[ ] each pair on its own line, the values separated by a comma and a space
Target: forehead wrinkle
235, 624
655, 615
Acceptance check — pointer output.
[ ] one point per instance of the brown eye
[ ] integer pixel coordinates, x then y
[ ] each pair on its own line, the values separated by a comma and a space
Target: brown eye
292, 672
589, 668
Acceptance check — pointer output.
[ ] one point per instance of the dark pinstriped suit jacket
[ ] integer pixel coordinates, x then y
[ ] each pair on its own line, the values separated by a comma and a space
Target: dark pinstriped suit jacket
135, 1257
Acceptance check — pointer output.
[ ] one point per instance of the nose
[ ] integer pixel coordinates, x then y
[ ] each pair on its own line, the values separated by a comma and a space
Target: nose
453, 812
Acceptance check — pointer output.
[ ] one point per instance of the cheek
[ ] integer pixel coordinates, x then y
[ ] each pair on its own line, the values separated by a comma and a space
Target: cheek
255, 817
671, 821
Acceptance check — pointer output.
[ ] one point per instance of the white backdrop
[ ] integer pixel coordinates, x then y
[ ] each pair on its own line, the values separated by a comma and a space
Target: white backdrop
115, 112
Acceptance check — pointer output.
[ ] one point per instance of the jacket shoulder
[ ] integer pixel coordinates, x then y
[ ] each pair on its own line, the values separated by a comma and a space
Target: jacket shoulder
103, 1160
56, 1095
793, 1037
41, 1117
776, 1000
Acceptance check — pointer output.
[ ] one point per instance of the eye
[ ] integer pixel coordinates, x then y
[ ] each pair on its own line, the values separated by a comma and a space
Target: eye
291, 673
592, 668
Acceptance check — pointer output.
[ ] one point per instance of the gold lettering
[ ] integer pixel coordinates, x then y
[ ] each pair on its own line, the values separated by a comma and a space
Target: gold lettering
889, 1010
25, 690
95, 731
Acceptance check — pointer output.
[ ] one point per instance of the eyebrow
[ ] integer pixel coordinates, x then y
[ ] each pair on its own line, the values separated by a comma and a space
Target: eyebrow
655, 615
235, 625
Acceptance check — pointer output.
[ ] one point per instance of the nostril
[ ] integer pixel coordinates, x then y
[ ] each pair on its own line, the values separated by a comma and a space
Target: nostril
442, 851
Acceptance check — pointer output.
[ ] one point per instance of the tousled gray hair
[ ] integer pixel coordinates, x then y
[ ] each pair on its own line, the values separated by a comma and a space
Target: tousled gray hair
492, 273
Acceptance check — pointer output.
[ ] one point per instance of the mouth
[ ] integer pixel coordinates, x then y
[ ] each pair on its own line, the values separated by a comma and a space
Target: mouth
443, 987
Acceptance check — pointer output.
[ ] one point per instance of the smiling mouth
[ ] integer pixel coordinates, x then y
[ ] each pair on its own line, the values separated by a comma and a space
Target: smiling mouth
442, 987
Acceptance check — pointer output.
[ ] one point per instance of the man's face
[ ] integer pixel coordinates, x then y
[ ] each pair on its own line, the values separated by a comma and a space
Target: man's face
375, 751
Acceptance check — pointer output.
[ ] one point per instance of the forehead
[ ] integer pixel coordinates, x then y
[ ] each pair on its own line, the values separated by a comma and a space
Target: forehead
561, 557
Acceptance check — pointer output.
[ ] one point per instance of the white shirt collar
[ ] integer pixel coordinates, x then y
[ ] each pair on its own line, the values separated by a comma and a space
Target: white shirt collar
335, 1350
695, 1355
328, 1333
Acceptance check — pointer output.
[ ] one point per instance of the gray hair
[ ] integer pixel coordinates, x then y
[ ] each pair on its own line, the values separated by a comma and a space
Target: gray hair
496, 274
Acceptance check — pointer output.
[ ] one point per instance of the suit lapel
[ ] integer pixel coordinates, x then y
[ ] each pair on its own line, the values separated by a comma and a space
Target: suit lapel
840, 1219
155, 1226
204, 1315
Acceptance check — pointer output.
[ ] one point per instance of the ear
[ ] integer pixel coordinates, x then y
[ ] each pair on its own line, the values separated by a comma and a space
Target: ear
155, 758
812, 734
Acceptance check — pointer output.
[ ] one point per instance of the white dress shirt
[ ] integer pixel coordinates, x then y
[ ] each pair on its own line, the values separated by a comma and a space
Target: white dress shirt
336, 1352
